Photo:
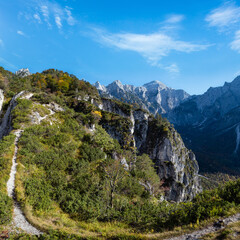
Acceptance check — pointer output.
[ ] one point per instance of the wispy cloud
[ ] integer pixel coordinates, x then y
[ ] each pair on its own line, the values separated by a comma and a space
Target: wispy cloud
45, 13
58, 21
20, 33
70, 20
174, 18
224, 16
1, 43
50, 13
54, 12
153, 47
226, 19
7, 64
173, 68
235, 44
37, 17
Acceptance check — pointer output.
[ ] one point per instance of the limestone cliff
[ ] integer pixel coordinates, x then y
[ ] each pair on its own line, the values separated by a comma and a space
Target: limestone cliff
176, 165
1, 99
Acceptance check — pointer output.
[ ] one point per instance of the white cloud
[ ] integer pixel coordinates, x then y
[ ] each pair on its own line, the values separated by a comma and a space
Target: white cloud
174, 18
173, 68
54, 12
70, 20
151, 46
1, 42
50, 13
45, 13
225, 16
37, 17
20, 33
235, 44
58, 21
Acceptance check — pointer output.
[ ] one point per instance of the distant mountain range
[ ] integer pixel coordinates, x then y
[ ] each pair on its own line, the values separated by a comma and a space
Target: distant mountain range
209, 123
210, 126
154, 96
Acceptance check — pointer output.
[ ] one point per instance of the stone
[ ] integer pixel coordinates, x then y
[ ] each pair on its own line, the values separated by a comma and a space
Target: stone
176, 165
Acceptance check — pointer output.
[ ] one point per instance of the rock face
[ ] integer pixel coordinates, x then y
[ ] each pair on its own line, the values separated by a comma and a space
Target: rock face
176, 165
1, 99
154, 96
209, 124
23, 72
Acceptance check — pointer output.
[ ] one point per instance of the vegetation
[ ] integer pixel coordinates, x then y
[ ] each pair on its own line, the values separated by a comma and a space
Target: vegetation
75, 182
6, 153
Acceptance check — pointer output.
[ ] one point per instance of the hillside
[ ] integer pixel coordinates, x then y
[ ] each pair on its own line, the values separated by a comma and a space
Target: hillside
89, 167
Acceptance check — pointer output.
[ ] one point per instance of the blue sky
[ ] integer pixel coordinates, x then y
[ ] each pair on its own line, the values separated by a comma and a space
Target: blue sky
185, 44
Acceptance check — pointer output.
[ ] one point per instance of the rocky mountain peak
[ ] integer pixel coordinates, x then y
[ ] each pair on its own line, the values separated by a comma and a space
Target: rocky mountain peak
99, 86
23, 72
155, 84
154, 96
115, 85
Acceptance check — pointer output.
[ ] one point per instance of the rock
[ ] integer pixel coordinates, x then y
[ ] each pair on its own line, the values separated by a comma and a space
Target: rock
154, 96
219, 224
176, 165
23, 72
54, 107
1, 99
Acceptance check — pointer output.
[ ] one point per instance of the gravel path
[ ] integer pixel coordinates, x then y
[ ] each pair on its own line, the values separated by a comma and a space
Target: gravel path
200, 233
19, 220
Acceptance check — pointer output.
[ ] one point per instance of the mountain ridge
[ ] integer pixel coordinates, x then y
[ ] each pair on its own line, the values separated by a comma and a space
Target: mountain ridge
209, 125
154, 96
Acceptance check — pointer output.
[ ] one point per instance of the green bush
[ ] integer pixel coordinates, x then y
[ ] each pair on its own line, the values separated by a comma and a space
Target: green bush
6, 205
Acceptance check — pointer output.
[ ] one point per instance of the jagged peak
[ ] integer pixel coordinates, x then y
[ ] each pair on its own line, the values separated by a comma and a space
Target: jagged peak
116, 83
155, 83
99, 86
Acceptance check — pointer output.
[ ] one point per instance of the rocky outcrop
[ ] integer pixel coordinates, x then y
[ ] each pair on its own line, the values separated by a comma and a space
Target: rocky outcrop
23, 72
1, 100
154, 96
176, 165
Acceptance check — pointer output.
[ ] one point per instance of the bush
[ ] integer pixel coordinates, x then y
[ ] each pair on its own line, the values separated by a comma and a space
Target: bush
6, 205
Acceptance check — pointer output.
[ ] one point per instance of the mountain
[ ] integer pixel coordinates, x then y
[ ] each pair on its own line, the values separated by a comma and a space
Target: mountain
209, 124
154, 96
71, 159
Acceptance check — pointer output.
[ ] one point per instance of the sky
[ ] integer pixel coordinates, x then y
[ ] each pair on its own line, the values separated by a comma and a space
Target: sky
190, 45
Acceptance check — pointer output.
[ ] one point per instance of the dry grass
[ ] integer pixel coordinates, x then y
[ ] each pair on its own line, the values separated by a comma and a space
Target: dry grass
231, 232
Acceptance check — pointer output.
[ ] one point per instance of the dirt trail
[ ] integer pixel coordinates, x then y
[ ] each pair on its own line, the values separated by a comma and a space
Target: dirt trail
19, 220
200, 233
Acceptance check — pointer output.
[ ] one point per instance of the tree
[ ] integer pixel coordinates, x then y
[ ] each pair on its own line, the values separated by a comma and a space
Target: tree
113, 173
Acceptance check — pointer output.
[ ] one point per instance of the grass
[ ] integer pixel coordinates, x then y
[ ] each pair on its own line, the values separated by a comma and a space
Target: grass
43, 111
